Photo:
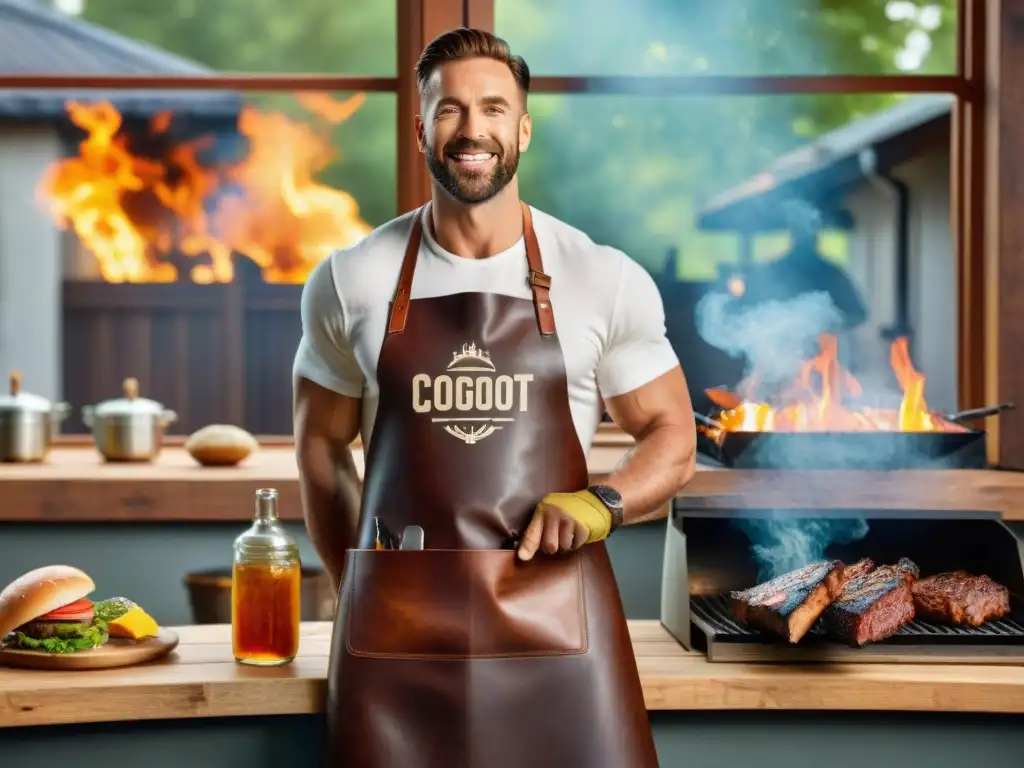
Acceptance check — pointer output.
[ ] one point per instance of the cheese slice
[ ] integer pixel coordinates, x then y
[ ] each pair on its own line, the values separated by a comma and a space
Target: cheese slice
135, 624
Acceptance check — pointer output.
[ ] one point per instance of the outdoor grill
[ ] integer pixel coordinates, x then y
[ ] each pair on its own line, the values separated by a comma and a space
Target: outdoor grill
848, 450
731, 641
708, 554
959, 447
823, 419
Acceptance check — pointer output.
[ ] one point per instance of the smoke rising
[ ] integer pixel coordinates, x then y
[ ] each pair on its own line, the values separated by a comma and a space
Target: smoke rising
783, 544
774, 336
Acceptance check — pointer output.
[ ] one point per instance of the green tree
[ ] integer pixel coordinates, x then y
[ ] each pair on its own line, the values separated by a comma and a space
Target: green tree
631, 171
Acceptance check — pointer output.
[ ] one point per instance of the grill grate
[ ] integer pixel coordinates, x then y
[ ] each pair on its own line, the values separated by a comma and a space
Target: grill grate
713, 615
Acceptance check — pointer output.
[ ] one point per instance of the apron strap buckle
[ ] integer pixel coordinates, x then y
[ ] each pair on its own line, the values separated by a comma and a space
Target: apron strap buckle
541, 285
539, 279
540, 282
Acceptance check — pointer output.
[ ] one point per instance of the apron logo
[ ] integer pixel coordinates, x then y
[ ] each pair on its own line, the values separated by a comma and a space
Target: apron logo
479, 401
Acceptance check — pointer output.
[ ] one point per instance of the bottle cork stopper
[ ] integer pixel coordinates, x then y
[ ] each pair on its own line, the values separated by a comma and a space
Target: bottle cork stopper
131, 388
15, 382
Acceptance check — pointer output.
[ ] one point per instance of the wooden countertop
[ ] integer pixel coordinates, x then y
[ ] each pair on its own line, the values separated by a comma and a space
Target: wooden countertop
75, 485
200, 679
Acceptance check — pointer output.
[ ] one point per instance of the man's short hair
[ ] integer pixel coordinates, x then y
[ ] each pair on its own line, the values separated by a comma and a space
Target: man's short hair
465, 43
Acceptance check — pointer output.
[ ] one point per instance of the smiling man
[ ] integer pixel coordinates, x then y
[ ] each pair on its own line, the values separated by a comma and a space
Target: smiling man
475, 344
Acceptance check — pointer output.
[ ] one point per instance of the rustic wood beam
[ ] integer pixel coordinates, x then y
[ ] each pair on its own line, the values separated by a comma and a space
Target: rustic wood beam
967, 201
724, 85
480, 14
419, 22
417, 27
239, 81
1004, 227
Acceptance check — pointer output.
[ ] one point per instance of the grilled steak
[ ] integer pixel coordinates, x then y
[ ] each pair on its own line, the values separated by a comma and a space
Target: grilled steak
873, 605
859, 568
909, 570
788, 605
960, 598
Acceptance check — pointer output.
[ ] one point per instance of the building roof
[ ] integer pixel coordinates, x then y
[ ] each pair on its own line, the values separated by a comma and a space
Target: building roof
822, 171
37, 40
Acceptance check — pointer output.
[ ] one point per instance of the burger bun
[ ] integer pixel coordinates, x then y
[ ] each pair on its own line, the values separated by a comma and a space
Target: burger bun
40, 591
220, 445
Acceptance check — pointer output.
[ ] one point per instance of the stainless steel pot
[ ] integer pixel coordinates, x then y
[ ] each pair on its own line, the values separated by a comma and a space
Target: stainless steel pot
130, 428
27, 423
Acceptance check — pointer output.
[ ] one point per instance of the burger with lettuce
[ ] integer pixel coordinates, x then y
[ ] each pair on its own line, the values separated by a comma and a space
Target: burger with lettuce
48, 610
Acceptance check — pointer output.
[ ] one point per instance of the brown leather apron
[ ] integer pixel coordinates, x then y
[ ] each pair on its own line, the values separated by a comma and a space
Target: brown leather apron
460, 655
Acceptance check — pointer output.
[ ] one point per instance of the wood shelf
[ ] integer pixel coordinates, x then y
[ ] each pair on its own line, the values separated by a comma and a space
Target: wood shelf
75, 485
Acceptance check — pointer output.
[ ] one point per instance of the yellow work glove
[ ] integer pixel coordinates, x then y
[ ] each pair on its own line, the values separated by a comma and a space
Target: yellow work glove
565, 521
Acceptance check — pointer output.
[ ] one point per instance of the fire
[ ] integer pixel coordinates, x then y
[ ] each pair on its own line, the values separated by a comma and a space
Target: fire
821, 400
147, 220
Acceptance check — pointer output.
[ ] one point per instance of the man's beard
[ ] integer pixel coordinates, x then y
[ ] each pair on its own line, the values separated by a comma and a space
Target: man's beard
472, 187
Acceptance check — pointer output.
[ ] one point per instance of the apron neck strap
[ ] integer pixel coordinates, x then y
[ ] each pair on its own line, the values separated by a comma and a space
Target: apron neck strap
400, 303
540, 283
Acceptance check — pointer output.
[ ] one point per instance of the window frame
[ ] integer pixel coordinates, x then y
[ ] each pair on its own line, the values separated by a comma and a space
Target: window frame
419, 21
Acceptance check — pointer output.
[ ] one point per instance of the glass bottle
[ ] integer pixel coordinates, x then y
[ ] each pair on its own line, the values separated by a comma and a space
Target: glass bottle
265, 589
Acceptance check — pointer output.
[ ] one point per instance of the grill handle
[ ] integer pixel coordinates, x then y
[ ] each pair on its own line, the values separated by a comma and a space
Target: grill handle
979, 413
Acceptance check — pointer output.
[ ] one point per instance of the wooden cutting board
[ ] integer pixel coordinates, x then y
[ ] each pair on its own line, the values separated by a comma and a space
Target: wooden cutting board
116, 652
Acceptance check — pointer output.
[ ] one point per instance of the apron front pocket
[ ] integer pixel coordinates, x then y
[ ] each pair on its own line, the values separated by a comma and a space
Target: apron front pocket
464, 604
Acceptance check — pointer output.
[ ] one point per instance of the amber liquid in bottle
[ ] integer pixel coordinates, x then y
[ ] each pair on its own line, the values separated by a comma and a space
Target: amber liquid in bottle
265, 590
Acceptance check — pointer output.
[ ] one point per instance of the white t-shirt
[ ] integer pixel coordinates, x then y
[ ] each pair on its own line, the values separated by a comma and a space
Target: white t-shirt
608, 312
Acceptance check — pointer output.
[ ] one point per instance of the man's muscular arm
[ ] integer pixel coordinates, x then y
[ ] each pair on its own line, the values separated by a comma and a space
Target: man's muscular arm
326, 423
659, 416
654, 409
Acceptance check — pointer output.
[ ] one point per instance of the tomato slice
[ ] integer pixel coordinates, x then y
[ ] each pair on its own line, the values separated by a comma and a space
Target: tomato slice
83, 606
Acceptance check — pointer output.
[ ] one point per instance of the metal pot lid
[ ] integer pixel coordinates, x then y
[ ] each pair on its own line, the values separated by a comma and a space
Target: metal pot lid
23, 402
129, 405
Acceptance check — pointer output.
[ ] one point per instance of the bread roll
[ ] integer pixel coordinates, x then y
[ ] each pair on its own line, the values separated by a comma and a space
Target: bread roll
220, 445
40, 591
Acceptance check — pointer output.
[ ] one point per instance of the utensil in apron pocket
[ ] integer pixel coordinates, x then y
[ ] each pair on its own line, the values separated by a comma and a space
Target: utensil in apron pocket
383, 538
412, 538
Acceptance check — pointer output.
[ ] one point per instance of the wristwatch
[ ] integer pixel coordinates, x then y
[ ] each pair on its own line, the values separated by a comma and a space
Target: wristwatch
611, 499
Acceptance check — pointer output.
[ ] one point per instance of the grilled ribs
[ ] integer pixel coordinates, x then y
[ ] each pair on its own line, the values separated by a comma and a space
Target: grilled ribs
788, 605
960, 598
872, 605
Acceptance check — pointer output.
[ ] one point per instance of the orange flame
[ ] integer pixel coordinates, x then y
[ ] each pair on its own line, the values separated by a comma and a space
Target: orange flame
324, 106
818, 401
136, 214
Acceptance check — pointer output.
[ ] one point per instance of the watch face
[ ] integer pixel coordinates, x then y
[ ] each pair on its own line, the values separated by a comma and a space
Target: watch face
609, 496
611, 499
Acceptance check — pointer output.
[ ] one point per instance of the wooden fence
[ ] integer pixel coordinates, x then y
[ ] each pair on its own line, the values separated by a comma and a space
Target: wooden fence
223, 353
212, 353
